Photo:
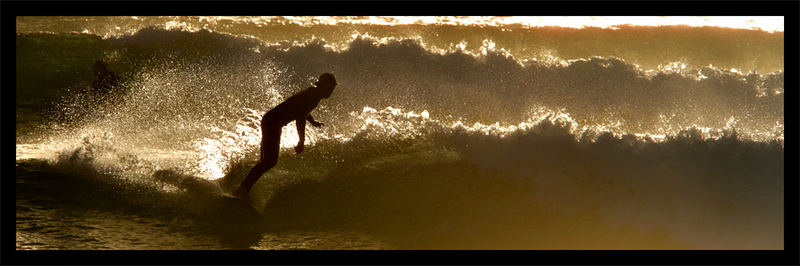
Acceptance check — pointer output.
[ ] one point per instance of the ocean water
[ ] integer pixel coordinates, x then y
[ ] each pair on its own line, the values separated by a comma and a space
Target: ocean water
443, 134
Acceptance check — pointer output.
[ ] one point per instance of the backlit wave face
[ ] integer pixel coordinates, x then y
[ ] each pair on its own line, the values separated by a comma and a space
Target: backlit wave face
649, 42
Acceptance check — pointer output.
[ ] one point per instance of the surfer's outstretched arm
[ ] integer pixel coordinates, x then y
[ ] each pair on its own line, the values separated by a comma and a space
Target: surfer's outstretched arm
313, 122
301, 134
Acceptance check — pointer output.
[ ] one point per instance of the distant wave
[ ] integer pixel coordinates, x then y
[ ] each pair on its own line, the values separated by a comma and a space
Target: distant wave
728, 46
215, 71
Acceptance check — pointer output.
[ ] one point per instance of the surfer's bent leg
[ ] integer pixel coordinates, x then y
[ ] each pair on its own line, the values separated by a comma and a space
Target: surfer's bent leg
270, 146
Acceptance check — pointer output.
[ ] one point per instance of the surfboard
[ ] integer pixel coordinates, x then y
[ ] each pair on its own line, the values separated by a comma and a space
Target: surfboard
240, 205
210, 192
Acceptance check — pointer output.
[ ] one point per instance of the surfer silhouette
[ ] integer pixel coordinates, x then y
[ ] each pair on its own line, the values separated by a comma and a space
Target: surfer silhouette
105, 80
296, 108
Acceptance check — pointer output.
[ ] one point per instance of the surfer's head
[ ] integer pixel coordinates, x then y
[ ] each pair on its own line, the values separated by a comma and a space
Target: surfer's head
325, 84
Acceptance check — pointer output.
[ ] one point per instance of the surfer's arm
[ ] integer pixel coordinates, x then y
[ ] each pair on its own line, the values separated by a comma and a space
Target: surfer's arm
314, 122
301, 134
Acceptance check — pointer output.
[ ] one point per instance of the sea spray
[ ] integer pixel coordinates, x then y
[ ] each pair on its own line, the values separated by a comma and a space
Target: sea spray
482, 142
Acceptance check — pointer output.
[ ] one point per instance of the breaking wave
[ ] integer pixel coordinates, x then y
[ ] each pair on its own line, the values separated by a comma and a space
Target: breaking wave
425, 147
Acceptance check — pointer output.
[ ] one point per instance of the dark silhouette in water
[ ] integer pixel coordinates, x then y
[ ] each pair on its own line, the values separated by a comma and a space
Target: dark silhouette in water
296, 108
105, 81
